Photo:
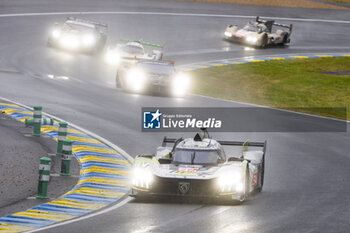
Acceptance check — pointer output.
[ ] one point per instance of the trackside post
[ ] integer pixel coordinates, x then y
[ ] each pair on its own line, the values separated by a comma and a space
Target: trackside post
37, 120
62, 134
44, 177
66, 157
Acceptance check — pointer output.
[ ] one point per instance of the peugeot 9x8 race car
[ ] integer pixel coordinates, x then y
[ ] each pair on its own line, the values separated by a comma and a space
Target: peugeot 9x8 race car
198, 167
152, 77
132, 51
78, 35
259, 33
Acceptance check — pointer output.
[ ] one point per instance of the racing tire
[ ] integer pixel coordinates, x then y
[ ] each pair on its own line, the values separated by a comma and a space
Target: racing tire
117, 82
285, 39
264, 41
262, 174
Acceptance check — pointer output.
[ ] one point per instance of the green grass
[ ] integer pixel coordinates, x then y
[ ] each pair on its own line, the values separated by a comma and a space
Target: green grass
339, 1
287, 84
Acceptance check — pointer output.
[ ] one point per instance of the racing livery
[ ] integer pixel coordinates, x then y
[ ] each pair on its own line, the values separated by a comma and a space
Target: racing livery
199, 167
152, 76
78, 35
132, 50
260, 33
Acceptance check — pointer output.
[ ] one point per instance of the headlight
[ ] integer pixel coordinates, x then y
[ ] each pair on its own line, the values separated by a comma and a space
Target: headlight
142, 177
252, 39
89, 40
112, 57
56, 33
69, 41
136, 79
228, 34
180, 84
231, 182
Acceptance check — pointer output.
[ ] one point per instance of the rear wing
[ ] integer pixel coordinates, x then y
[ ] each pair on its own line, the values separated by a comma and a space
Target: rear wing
143, 43
97, 24
269, 24
244, 145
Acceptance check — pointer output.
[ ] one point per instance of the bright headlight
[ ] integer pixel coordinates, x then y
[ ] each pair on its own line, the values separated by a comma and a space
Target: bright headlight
56, 33
136, 79
180, 84
230, 181
252, 39
112, 57
228, 34
142, 177
88, 39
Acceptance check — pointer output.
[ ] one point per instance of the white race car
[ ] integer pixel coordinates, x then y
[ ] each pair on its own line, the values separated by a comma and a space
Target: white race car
198, 167
132, 51
78, 35
260, 33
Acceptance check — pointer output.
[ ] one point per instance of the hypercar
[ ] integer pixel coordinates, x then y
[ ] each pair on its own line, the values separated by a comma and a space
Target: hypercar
158, 77
132, 50
259, 33
78, 35
199, 167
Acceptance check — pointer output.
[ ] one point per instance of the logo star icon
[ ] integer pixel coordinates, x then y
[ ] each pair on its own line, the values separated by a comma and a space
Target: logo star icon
156, 115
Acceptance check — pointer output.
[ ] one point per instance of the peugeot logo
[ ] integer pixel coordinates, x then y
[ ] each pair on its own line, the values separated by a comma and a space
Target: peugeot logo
184, 187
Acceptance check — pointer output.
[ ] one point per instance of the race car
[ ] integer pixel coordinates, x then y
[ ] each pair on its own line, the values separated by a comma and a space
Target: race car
198, 167
259, 33
132, 51
158, 77
78, 35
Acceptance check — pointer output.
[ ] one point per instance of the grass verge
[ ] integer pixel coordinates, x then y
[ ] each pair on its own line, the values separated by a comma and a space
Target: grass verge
280, 3
287, 84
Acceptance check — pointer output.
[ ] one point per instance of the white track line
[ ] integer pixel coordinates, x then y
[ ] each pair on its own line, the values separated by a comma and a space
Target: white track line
170, 14
115, 147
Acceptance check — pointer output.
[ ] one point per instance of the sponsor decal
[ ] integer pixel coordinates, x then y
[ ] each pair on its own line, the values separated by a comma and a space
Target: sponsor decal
255, 179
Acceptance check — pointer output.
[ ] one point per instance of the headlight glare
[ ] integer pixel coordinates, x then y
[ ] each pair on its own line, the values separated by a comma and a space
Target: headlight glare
230, 181
228, 34
112, 57
252, 39
142, 177
136, 79
180, 84
88, 39
70, 41
56, 33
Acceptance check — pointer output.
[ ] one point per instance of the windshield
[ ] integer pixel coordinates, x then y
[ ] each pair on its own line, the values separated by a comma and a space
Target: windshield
185, 156
79, 27
133, 50
250, 27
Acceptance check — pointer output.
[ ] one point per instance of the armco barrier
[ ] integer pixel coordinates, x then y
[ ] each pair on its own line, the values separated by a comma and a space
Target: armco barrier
104, 179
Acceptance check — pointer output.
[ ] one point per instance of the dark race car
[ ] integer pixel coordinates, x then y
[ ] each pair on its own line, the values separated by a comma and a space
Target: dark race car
198, 167
158, 77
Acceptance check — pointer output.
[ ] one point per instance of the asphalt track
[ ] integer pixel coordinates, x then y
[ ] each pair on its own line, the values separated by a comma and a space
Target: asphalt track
307, 176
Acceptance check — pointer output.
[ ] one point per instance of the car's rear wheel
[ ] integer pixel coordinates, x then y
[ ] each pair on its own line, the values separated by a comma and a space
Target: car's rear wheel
264, 41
